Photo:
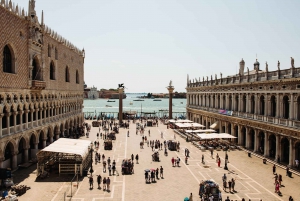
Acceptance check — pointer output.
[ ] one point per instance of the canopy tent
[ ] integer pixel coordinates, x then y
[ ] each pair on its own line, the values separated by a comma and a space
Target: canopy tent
69, 153
201, 131
195, 125
181, 125
214, 125
180, 121
215, 136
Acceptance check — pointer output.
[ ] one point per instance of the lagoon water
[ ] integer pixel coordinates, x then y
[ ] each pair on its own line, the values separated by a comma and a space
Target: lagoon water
97, 106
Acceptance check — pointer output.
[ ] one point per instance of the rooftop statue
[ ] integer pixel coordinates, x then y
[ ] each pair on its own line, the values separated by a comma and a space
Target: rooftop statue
170, 83
278, 65
292, 62
267, 69
121, 86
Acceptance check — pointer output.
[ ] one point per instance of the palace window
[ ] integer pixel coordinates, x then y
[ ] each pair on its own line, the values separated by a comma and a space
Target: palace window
52, 71
8, 65
67, 74
77, 77
49, 50
56, 54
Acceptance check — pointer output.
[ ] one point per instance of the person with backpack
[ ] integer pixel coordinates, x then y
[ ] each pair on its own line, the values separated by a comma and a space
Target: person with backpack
137, 159
104, 183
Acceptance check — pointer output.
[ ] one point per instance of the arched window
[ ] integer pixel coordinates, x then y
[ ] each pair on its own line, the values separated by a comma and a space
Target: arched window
286, 107
8, 66
52, 71
77, 77
56, 54
67, 74
252, 102
262, 105
49, 50
273, 106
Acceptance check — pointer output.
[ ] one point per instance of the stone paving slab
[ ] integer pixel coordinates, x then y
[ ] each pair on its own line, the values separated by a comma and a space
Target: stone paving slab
254, 180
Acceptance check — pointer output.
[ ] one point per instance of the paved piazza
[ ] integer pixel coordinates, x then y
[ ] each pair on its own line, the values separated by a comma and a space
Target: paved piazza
254, 180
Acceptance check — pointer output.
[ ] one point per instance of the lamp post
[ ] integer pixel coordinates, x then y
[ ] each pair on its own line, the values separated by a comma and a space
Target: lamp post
91, 153
226, 159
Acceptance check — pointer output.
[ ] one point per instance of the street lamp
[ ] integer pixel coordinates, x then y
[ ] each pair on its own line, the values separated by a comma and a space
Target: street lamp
91, 153
226, 159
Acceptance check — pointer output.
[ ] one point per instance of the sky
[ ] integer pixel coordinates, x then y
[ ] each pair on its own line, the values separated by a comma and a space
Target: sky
146, 43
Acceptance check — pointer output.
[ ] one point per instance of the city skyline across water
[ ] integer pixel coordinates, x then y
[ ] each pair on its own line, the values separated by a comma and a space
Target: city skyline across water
98, 106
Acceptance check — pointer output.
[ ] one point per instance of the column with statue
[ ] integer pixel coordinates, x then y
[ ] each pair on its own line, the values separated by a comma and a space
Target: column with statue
121, 92
170, 89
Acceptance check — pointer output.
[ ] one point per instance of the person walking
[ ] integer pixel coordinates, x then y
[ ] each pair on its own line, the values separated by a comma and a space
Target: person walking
99, 181
137, 159
109, 170
274, 169
172, 160
156, 173
186, 160
132, 157
212, 153
202, 158
104, 183
91, 181
229, 185
161, 172
128, 134
232, 184
107, 183
191, 197
219, 162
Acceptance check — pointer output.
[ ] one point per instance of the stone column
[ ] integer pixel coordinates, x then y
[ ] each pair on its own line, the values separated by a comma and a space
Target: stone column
44, 143
21, 120
266, 147
121, 92
51, 139
25, 155
170, 89
278, 147
291, 112
247, 138
239, 135
220, 126
256, 144
247, 103
278, 113
57, 135
31, 113
14, 160
26, 119
239, 103
291, 153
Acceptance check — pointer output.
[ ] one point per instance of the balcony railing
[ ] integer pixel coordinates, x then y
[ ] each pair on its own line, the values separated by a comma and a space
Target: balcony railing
37, 84
268, 119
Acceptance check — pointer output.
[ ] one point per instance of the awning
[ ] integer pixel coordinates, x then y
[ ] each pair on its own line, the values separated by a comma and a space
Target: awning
180, 121
69, 146
201, 131
215, 136
214, 125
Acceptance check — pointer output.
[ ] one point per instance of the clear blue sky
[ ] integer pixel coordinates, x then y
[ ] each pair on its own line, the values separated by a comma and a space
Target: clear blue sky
145, 44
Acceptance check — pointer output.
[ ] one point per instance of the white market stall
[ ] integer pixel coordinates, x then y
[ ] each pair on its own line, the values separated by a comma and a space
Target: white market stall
215, 136
70, 156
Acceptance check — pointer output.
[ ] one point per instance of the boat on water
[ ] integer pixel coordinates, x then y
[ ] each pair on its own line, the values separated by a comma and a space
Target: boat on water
181, 102
108, 106
111, 100
130, 103
156, 99
138, 100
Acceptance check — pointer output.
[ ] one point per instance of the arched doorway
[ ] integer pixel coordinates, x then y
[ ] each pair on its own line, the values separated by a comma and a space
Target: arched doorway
31, 150
230, 103
243, 136
272, 146
21, 154
286, 107
218, 102
261, 142
251, 139
236, 133
236, 103
252, 105
262, 105
244, 104
224, 102
273, 106
41, 137
285, 150
8, 156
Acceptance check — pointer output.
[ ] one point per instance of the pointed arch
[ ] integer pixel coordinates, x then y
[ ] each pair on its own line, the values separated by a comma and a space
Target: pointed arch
36, 71
67, 74
77, 77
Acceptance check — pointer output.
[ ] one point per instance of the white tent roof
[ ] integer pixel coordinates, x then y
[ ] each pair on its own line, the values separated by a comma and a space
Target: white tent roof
70, 146
194, 125
215, 135
180, 121
181, 125
214, 125
201, 131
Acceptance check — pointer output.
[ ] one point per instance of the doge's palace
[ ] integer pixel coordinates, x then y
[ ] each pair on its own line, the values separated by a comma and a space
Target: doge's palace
41, 85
